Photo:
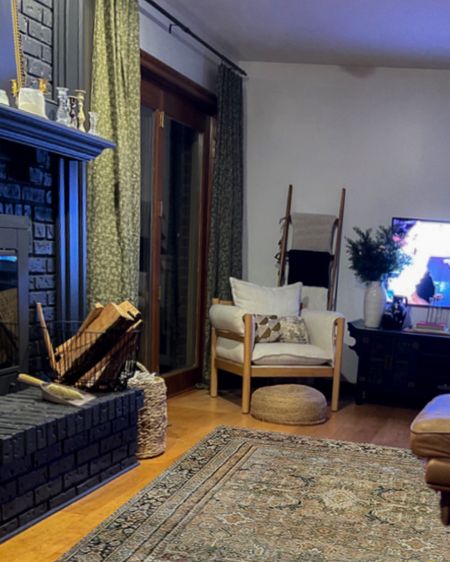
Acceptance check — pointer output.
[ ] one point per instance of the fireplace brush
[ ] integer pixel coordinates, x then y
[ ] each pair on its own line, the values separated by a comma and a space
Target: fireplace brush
58, 393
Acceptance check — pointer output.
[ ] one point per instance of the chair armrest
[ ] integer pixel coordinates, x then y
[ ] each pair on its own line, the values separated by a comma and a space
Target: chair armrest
227, 317
321, 328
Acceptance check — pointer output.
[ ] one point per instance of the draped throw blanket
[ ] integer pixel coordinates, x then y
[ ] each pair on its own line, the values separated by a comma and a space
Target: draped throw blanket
113, 198
310, 268
225, 237
312, 232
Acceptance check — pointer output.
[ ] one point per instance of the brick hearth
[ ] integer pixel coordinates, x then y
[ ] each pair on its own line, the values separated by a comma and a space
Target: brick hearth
52, 454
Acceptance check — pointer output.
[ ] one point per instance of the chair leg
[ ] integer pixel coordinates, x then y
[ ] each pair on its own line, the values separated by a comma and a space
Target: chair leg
247, 366
246, 389
213, 383
340, 323
335, 391
214, 379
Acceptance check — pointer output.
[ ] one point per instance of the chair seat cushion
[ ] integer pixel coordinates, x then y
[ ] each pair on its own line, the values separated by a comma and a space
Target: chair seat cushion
430, 430
289, 354
273, 353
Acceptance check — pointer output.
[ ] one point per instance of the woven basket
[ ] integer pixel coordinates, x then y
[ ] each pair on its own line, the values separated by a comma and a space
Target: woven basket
153, 415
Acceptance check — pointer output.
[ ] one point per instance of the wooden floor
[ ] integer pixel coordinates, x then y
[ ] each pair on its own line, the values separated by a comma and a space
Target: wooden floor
191, 416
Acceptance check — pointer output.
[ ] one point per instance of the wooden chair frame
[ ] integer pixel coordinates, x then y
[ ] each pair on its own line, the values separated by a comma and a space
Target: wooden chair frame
247, 370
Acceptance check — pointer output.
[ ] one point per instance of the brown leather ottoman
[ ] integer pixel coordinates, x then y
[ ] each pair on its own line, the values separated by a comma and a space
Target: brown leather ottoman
430, 438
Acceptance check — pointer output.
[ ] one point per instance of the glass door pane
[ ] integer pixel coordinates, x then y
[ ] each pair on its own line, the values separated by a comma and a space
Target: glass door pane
179, 249
145, 282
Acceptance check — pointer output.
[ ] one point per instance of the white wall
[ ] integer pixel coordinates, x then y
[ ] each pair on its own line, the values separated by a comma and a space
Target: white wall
382, 133
176, 49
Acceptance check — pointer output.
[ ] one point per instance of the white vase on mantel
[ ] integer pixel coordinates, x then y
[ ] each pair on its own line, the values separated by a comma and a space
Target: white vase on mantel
374, 303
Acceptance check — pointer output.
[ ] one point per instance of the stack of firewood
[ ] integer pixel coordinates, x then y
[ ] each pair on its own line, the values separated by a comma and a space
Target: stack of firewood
95, 356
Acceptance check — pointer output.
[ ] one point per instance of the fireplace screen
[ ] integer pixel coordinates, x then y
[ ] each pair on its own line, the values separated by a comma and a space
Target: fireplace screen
14, 286
9, 312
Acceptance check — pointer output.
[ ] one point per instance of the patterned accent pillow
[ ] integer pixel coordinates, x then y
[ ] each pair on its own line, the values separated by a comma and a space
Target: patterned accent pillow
293, 330
286, 329
267, 328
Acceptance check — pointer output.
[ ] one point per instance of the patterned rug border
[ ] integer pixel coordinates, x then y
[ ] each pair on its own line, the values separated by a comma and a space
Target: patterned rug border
233, 432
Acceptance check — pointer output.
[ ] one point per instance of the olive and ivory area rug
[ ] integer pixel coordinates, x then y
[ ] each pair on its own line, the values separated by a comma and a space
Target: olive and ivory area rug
253, 496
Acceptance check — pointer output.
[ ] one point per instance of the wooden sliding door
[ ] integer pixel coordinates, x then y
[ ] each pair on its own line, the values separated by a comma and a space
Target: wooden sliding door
176, 132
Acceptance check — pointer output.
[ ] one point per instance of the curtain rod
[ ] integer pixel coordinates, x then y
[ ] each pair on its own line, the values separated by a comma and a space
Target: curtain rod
178, 23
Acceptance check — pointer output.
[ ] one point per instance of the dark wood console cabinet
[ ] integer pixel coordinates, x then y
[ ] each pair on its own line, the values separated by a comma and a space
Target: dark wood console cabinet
400, 367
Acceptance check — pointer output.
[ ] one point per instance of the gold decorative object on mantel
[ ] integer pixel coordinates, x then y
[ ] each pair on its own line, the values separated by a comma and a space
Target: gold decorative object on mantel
42, 85
14, 88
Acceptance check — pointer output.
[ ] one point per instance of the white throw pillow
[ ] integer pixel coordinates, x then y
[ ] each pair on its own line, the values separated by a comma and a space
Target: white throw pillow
282, 301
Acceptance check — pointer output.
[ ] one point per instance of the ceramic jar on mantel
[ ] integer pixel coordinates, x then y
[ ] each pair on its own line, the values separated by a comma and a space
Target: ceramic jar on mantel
374, 303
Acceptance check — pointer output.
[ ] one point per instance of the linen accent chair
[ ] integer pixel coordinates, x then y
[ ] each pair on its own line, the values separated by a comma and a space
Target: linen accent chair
236, 347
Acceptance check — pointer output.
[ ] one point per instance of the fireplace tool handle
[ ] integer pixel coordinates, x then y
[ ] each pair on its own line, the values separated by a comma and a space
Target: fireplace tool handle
46, 336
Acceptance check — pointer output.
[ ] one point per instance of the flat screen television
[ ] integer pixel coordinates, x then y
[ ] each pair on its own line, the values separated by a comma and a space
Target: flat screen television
426, 280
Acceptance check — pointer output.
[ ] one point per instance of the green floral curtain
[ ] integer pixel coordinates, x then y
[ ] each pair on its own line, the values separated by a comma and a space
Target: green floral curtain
225, 238
113, 199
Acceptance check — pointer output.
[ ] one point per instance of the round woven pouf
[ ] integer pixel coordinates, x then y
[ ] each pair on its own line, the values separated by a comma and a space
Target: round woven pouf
291, 404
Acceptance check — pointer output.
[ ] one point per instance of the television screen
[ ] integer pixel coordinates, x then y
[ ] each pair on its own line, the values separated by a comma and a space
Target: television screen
426, 280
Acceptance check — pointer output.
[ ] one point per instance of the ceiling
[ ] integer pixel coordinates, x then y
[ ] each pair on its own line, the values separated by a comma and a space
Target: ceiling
396, 33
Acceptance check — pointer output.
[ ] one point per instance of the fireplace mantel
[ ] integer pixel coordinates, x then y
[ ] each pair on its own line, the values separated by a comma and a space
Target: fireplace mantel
25, 128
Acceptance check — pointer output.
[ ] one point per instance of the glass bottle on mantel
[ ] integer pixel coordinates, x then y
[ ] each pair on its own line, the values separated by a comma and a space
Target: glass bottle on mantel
93, 119
79, 94
63, 111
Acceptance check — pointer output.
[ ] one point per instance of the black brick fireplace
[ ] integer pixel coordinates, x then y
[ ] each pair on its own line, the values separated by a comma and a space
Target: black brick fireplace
49, 454
28, 203
43, 181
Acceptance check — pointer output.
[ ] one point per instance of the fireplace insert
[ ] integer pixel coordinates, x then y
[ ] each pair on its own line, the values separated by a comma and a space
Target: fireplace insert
14, 241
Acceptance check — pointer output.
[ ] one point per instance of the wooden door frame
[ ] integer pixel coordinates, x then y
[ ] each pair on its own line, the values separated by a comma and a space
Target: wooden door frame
169, 79
155, 231
164, 89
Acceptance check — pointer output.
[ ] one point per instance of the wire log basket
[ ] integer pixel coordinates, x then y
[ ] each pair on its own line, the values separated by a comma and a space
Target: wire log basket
89, 360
